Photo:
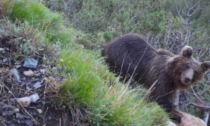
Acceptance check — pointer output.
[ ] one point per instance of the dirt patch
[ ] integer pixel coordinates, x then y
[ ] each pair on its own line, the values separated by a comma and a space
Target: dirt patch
16, 83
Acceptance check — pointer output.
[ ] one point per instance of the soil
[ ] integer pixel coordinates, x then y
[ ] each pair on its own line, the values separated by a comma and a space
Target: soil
43, 82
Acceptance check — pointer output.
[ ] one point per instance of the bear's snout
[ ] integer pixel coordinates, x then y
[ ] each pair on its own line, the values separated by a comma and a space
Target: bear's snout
187, 76
187, 80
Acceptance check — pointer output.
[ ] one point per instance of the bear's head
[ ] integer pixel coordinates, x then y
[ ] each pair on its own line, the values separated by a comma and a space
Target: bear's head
186, 70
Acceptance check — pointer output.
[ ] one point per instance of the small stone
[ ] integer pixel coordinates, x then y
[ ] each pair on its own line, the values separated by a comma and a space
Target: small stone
15, 73
2, 50
28, 73
38, 84
17, 66
4, 60
29, 123
39, 111
30, 63
24, 101
7, 113
20, 116
169, 123
34, 97
43, 71
16, 110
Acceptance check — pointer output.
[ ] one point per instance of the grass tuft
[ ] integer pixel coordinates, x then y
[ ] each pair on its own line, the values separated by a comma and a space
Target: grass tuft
36, 14
125, 106
4, 7
25, 41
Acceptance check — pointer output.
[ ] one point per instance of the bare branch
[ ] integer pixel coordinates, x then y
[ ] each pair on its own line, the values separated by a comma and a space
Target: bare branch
207, 107
179, 11
196, 94
186, 4
195, 5
202, 54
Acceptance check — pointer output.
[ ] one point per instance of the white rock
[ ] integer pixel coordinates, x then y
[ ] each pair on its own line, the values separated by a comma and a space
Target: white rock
15, 73
34, 97
169, 123
2, 49
39, 111
24, 101
16, 110
43, 71
17, 66
28, 73
38, 84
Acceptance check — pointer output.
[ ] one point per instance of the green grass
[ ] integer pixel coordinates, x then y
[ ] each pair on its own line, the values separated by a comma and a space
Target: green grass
81, 80
36, 14
87, 84
25, 41
87, 81
124, 106
49, 23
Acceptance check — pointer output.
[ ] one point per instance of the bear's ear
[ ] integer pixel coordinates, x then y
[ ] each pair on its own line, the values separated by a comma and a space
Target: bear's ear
186, 51
205, 66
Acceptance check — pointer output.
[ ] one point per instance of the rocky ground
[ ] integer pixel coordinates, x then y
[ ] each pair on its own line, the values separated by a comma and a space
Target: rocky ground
25, 87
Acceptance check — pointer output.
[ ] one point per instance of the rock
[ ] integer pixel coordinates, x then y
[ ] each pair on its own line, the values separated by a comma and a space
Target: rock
17, 66
28, 73
30, 63
24, 101
29, 123
38, 84
2, 50
16, 110
20, 116
169, 123
15, 73
43, 71
34, 97
39, 111
4, 60
7, 113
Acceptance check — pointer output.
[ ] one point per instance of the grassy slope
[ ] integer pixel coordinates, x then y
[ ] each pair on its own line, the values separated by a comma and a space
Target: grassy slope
86, 78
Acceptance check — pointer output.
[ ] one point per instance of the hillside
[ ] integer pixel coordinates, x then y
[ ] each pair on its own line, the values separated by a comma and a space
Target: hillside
49, 75
168, 24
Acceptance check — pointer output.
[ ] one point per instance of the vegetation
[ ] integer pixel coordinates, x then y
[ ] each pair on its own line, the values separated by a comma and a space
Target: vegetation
168, 24
91, 94
88, 87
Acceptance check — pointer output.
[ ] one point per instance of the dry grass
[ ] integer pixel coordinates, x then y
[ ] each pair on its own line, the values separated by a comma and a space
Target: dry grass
4, 7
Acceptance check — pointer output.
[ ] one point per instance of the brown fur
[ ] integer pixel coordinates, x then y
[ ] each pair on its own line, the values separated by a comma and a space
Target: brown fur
134, 59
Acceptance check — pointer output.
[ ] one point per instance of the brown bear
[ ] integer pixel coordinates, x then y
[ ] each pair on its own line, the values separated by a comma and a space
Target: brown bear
136, 61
